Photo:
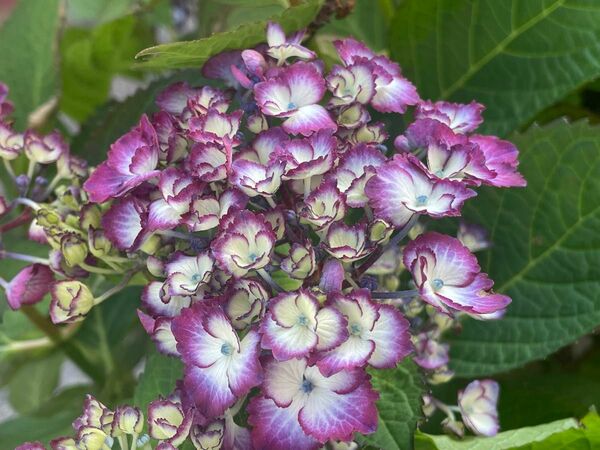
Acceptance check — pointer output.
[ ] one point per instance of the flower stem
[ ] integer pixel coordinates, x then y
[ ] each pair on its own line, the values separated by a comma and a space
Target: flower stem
53, 333
307, 184
27, 202
22, 257
395, 295
265, 276
271, 202
99, 270
9, 169
115, 289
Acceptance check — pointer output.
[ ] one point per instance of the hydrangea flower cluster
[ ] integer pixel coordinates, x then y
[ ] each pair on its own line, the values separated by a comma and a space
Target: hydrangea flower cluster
269, 219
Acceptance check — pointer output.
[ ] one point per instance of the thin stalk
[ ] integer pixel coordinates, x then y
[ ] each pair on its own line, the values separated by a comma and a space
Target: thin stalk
115, 289
27, 202
53, 333
271, 202
307, 185
350, 280
23, 346
395, 294
9, 169
265, 276
22, 257
98, 270
57, 178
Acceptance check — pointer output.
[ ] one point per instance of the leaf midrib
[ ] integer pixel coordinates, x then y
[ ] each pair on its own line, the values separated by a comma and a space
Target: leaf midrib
474, 68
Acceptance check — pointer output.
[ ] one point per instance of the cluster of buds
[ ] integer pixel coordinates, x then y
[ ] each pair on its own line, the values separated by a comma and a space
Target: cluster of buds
269, 218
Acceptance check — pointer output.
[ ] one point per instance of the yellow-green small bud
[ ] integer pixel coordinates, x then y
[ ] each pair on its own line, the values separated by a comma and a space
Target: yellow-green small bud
98, 243
151, 245
380, 231
71, 301
48, 218
90, 216
73, 248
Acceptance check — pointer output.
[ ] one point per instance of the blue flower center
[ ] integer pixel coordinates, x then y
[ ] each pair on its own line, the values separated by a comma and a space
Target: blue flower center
252, 257
347, 91
437, 284
196, 278
226, 349
307, 386
421, 200
302, 320
355, 329
291, 105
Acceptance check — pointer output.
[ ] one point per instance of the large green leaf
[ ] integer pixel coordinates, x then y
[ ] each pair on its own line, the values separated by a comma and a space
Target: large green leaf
546, 254
516, 57
90, 59
503, 441
16, 431
27, 46
34, 382
159, 377
195, 53
399, 406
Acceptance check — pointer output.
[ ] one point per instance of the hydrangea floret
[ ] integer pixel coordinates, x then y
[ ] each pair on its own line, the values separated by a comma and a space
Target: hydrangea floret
272, 220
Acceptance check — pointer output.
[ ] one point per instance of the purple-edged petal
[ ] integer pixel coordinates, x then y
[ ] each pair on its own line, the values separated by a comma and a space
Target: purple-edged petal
29, 286
309, 119
391, 337
500, 157
478, 405
245, 371
328, 415
125, 223
462, 118
277, 428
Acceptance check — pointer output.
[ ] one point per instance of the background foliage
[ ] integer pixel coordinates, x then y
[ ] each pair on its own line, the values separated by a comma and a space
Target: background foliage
67, 64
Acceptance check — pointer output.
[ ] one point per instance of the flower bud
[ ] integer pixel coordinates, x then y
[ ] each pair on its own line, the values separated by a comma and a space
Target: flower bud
44, 150
63, 443
380, 231
151, 245
73, 248
90, 216
155, 266
332, 276
95, 414
474, 237
11, 143
428, 405
277, 220
209, 437
301, 262
128, 420
257, 123
453, 427
246, 299
167, 421
91, 438
441, 375
478, 406
99, 245
29, 286
71, 301
48, 218
346, 243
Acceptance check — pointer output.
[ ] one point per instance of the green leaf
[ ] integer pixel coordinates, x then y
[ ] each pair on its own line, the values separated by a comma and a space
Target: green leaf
546, 254
159, 377
97, 11
399, 406
516, 57
27, 46
34, 383
90, 59
503, 441
114, 119
21, 429
195, 53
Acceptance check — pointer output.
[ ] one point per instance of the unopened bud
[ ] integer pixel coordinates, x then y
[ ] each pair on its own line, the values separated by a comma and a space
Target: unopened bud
73, 248
90, 216
301, 262
99, 244
71, 301
128, 420
151, 244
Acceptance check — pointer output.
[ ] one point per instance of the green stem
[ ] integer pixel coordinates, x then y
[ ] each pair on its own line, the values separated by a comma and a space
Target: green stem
117, 288
98, 270
54, 335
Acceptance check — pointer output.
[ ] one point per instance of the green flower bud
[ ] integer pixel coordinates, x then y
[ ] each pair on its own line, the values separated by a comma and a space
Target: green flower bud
91, 438
73, 248
71, 301
380, 231
151, 245
90, 216
98, 243
300, 263
48, 218
128, 420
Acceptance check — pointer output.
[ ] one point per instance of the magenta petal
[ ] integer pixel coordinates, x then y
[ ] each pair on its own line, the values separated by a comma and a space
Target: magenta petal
209, 389
331, 416
276, 428
125, 223
309, 119
246, 372
29, 286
